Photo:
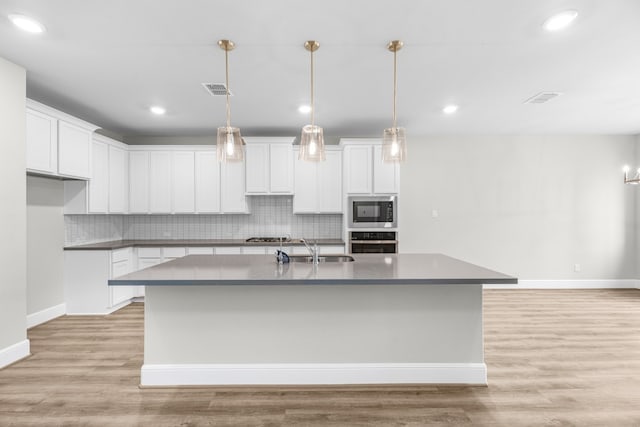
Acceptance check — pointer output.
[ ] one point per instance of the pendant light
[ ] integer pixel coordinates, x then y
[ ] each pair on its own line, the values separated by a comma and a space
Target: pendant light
230, 143
394, 148
312, 139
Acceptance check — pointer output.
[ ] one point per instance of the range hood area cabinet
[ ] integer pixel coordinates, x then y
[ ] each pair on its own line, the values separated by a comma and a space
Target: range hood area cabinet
318, 185
364, 171
58, 144
269, 165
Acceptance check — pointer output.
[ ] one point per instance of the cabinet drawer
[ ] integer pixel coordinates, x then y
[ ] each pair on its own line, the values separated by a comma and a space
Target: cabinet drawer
120, 255
174, 252
200, 251
149, 252
120, 269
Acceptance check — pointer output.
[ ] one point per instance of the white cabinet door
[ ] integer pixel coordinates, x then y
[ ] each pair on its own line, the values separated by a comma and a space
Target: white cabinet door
159, 182
207, 182
385, 175
330, 183
184, 189
42, 142
257, 168
120, 294
118, 180
74, 150
232, 188
357, 169
199, 250
139, 182
228, 250
305, 186
99, 183
256, 250
281, 168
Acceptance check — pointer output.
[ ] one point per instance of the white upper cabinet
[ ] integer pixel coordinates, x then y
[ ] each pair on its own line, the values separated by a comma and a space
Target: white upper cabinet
74, 150
281, 168
160, 182
118, 180
107, 190
207, 182
357, 169
318, 185
232, 191
330, 183
257, 168
42, 142
99, 184
269, 165
57, 144
139, 182
386, 176
183, 183
365, 172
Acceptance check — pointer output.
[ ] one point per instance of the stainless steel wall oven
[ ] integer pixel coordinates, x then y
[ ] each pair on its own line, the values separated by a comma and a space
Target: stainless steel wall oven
373, 242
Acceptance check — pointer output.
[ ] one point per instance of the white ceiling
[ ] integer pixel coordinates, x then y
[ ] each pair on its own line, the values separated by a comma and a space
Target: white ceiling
108, 61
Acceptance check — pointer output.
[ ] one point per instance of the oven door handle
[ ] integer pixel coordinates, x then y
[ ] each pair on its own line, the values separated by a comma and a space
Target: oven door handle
373, 242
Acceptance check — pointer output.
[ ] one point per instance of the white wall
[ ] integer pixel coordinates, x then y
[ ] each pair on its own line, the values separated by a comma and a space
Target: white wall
530, 206
45, 240
13, 253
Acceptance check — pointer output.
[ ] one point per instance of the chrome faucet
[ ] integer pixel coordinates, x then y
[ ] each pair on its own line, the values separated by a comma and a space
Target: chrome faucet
312, 250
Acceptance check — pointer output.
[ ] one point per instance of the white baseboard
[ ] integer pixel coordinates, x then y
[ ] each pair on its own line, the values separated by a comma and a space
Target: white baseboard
313, 374
46, 315
14, 352
569, 284
102, 313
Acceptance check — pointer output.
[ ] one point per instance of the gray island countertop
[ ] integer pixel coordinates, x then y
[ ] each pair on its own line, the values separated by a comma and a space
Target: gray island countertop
391, 269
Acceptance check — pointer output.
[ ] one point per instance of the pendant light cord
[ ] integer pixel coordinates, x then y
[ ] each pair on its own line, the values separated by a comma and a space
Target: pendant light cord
395, 87
312, 101
226, 63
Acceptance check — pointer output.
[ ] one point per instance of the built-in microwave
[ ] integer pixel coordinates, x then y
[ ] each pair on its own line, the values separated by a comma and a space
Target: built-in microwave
373, 212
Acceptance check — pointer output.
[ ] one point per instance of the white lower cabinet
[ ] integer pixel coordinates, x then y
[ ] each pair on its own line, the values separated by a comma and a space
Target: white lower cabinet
255, 250
86, 275
198, 250
228, 250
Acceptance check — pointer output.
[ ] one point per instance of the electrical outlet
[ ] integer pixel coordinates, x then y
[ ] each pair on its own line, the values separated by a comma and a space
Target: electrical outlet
434, 213
576, 267
166, 234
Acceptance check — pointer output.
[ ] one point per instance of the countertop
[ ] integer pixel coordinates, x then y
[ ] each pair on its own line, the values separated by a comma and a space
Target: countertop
398, 269
119, 244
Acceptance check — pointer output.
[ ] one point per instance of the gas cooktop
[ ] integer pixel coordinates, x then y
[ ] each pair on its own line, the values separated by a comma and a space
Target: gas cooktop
267, 239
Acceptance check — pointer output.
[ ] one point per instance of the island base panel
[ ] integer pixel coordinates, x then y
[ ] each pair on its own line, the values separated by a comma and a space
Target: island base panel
293, 334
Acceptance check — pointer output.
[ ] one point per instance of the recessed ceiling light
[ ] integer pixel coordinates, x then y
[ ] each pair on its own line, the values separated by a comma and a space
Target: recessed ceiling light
304, 109
450, 109
27, 24
157, 110
560, 20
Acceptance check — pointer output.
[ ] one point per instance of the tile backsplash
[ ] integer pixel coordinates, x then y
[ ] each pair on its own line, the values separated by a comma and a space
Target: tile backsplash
270, 216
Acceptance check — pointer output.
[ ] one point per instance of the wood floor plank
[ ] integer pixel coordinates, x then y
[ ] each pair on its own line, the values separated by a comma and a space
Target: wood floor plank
555, 358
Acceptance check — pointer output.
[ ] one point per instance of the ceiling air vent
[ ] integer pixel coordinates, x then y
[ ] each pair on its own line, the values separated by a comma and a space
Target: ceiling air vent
216, 89
542, 97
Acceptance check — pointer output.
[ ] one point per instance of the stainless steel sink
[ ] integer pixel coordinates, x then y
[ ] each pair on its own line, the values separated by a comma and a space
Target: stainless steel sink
321, 258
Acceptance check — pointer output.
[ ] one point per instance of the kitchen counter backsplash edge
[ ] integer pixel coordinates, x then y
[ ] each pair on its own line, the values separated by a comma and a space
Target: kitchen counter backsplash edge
120, 244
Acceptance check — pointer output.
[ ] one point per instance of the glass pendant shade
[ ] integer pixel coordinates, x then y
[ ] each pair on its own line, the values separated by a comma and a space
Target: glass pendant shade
230, 145
312, 144
394, 147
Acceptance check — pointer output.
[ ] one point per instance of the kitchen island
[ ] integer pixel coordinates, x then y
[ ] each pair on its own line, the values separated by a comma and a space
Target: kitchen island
382, 318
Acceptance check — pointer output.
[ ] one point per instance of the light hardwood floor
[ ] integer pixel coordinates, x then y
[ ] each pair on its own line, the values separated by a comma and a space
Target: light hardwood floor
555, 358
